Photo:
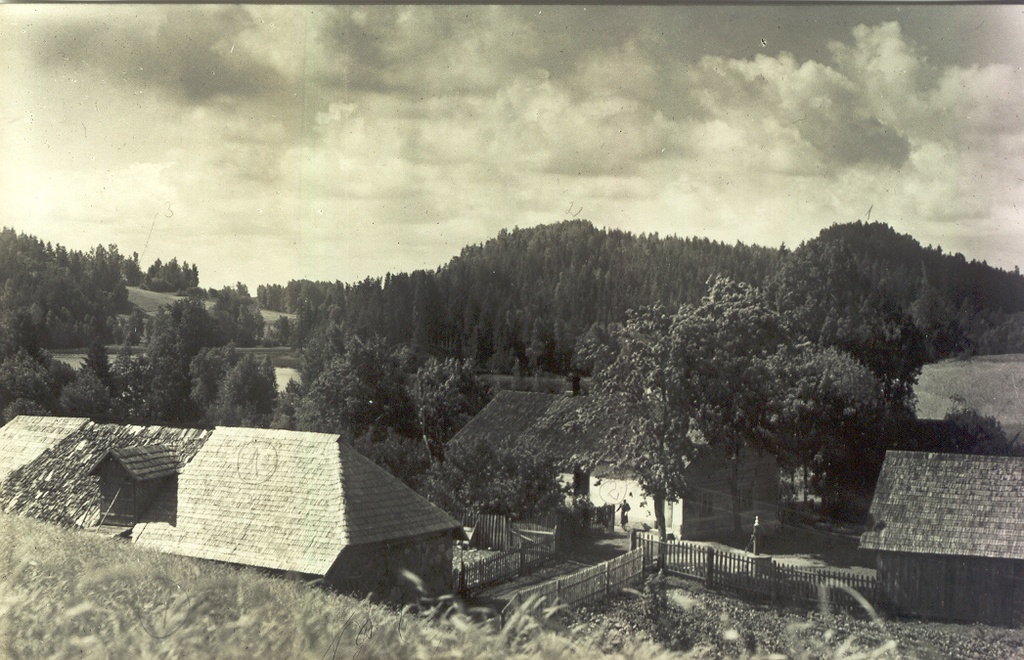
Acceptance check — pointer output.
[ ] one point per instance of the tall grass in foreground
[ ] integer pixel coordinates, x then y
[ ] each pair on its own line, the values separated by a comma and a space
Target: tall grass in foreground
70, 594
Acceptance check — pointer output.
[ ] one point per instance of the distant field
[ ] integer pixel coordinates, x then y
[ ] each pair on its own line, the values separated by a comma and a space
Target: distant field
992, 384
150, 301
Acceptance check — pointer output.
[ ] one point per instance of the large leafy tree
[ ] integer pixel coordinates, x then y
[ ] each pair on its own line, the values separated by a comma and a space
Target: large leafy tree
179, 332
706, 375
831, 300
361, 389
446, 395
831, 414
510, 480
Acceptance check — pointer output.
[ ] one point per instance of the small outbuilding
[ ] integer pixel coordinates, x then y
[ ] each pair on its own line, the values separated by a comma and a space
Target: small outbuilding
948, 530
131, 478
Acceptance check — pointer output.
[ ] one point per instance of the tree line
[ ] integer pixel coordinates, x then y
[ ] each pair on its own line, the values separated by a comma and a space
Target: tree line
531, 300
811, 354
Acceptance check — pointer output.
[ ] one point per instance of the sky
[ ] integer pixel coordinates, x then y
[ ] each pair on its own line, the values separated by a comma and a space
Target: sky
271, 143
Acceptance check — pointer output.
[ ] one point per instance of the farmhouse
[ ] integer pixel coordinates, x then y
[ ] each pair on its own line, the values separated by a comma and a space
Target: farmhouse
288, 502
948, 536
588, 457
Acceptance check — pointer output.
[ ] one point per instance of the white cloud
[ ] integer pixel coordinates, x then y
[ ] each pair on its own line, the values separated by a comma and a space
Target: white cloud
339, 143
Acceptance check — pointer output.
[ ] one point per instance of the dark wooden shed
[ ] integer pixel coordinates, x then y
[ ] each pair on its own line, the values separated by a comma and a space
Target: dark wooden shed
131, 478
948, 530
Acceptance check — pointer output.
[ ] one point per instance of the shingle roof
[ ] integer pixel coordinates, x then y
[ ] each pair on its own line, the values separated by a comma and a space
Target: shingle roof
949, 504
56, 486
25, 437
144, 462
549, 423
286, 500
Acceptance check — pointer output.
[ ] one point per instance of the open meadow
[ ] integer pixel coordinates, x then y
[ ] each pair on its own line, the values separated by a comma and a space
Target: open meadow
991, 384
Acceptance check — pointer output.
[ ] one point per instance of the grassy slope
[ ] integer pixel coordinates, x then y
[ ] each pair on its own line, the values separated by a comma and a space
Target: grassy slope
992, 385
707, 624
150, 301
70, 593
73, 594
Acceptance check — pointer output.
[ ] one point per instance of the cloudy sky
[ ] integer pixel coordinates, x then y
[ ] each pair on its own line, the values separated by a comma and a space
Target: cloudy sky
275, 143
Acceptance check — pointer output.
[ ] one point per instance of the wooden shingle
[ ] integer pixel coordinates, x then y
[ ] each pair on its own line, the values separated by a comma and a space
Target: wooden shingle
25, 437
949, 504
286, 500
144, 462
56, 486
541, 422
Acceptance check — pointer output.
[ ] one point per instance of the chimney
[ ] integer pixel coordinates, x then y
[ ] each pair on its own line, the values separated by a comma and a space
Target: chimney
575, 380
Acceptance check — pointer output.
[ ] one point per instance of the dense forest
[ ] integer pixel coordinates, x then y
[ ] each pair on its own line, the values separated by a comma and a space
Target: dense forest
837, 328
528, 300
67, 299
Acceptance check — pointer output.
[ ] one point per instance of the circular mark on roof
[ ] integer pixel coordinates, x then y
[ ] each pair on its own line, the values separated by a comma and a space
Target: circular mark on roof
257, 462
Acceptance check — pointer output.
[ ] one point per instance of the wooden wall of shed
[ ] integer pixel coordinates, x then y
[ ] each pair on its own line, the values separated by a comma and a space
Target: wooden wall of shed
117, 494
952, 588
377, 568
758, 471
123, 500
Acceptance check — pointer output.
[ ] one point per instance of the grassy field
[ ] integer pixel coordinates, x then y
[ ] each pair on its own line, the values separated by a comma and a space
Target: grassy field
992, 384
67, 593
150, 301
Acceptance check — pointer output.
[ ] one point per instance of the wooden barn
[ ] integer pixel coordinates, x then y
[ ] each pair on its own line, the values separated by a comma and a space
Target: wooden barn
588, 458
131, 478
308, 504
948, 533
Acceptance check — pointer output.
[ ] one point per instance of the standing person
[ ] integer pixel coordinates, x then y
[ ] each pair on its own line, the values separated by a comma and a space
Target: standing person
624, 518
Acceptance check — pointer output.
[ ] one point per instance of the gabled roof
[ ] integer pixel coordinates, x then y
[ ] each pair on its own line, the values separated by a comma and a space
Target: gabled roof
540, 421
56, 486
949, 504
286, 500
143, 461
25, 437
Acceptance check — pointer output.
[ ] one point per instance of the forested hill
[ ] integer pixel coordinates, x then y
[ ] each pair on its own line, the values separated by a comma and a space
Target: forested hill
531, 299
60, 298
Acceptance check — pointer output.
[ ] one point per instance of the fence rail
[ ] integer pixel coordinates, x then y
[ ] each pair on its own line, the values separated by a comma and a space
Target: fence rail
757, 576
501, 567
584, 586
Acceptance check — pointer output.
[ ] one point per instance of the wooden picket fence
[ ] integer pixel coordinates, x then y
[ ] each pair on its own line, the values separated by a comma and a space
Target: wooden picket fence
585, 586
502, 533
756, 576
501, 567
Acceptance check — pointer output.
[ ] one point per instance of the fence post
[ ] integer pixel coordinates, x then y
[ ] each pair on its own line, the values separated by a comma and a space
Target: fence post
773, 581
632, 539
607, 578
709, 568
